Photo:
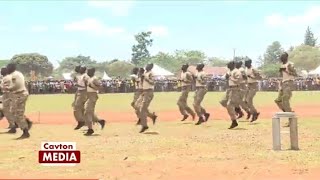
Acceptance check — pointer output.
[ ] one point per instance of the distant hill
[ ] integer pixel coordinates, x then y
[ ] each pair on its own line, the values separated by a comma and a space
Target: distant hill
3, 63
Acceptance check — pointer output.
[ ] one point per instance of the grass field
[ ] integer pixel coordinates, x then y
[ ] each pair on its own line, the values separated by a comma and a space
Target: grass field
170, 149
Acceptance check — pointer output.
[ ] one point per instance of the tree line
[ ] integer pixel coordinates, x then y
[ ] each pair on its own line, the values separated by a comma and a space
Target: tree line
305, 56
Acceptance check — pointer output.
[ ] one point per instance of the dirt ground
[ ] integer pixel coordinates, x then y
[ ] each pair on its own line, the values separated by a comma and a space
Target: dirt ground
177, 168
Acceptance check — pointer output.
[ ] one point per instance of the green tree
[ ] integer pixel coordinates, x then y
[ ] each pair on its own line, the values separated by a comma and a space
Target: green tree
217, 62
309, 38
273, 53
271, 70
305, 57
167, 61
191, 57
33, 62
119, 68
4, 63
68, 64
140, 53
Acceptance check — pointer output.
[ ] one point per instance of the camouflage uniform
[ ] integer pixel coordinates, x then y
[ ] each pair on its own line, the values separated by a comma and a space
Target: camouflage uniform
201, 91
186, 79
7, 100
80, 97
92, 98
285, 91
19, 99
253, 77
234, 95
147, 97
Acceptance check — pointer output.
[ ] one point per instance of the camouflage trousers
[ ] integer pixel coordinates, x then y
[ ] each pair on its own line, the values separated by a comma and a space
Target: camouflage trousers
252, 90
18, 108
284, 96
89, 109
137, 103
198, 98
224, 100
147, 97
182, 102
243, 95
6, 108
233, 102
79, 107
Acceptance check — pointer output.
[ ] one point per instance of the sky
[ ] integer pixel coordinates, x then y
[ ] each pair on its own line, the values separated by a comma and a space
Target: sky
105, 30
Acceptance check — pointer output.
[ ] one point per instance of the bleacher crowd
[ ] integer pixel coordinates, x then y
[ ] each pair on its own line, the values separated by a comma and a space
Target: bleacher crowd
126, 86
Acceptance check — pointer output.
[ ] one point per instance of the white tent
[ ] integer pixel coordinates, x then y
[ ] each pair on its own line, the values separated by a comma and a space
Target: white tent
159, 71
105, 76
67, 76
315, 72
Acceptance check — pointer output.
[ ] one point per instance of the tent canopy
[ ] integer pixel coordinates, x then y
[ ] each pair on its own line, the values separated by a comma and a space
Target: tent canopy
315, 72
67, 76
105, 76
159, 71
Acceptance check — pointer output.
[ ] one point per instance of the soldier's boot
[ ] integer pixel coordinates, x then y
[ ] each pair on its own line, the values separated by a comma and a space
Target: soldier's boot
248, 115
255, 117
154, 118
206, 115
89, 132
233, 124
80, 125
12, 130
24, 135
29, 122
200, 121
143, 129
138, 122
102, 123
239, 112
184, 117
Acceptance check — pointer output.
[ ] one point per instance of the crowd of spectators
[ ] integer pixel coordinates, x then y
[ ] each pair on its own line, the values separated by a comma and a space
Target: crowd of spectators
125, 85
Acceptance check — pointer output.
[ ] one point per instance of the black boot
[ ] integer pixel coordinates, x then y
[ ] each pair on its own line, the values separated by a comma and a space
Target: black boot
12, 131
200, 121
154, 118
143, 129
233, 124
80, 125
248, 115
206, 115
102, 123
24, 135
239, 112
184, 117
138, 122
255, 117
29, 122
89, 132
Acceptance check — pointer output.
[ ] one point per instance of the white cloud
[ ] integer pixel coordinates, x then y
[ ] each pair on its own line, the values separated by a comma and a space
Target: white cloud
93, 26
309, 17
159, 31
118, 8
39, 28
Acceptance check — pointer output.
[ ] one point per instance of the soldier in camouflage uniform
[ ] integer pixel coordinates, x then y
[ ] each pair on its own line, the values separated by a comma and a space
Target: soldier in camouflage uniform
201, 91
186, 80
93, 86
138, 96
243, 92
147, 80
19, 98
7, 99
253, 77
81, 98
288, 74
234, 94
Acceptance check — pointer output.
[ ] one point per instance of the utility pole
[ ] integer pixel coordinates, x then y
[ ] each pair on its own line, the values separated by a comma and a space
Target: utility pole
234, 53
